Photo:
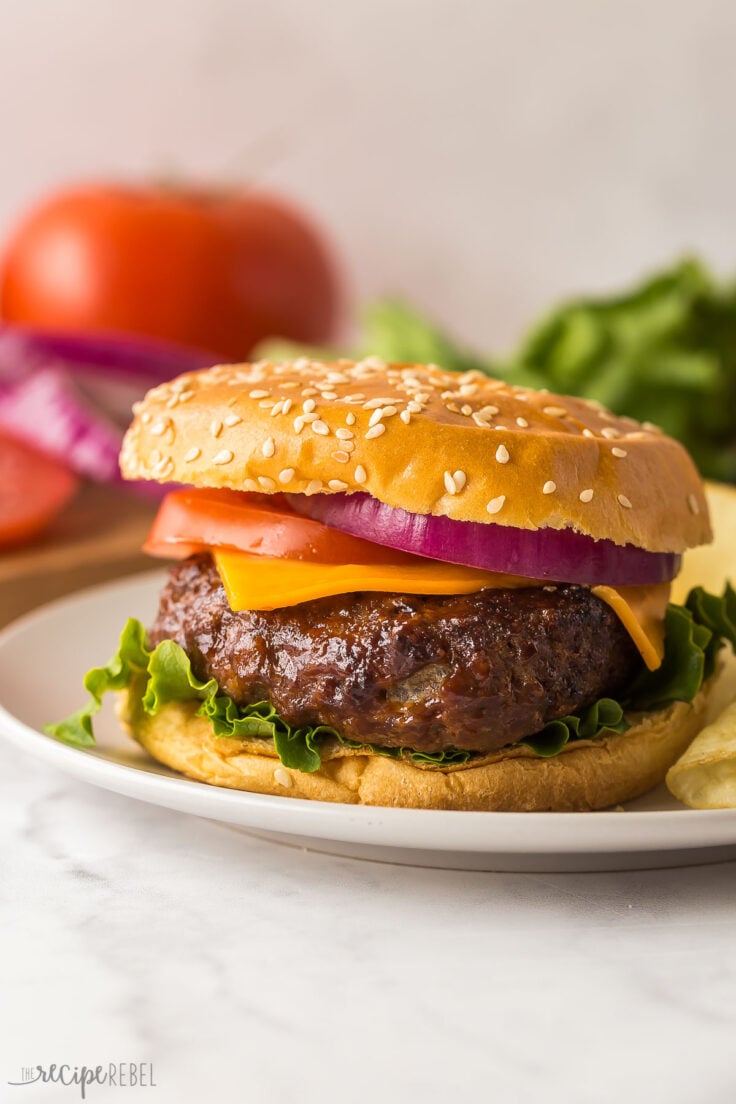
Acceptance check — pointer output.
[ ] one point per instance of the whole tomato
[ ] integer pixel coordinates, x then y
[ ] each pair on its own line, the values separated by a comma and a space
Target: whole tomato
216, 270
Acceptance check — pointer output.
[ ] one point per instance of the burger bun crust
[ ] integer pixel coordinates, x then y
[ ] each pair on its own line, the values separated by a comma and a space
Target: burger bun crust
590, 774
463, 446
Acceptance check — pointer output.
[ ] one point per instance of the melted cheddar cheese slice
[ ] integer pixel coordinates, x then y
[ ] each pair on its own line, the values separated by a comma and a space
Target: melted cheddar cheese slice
266, 583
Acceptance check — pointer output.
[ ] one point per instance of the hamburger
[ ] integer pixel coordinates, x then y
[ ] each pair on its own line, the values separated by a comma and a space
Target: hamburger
396, 585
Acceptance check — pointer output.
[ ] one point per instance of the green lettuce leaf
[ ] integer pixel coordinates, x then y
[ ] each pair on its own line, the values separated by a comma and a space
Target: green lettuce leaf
131, 657
395, 331
605, 715
684, 665
665, 352
719, 615
693, 635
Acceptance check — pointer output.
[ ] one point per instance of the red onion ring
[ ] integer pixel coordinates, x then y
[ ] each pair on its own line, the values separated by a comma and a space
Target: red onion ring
70, 395
559, 555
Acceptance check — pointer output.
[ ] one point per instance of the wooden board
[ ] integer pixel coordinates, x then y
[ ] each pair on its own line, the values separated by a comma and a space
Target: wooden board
98, 537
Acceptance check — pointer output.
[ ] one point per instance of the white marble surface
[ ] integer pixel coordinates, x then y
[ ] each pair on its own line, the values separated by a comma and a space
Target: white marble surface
250, 971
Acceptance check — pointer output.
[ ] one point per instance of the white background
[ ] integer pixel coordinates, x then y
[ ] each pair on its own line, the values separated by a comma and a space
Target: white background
482, 158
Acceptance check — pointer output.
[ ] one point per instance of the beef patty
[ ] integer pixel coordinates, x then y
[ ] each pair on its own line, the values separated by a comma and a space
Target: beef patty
475, 671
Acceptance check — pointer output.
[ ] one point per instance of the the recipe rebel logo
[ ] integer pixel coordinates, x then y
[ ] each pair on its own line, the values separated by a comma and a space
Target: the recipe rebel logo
118, 1075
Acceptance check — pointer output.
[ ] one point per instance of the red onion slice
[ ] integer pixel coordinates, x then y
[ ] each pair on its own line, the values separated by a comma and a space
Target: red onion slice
559, 555
70, 395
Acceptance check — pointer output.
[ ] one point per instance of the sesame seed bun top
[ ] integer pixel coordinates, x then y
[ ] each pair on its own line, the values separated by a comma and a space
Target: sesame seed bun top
430, 441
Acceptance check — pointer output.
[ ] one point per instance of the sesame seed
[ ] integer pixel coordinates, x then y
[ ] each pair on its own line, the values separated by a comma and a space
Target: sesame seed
298, 425
267, 483
286, 475
693, 504
522, 422
314, 486
350, 418
452, 407
302, 363
480, 421
376, 417
344, 434
309, 418
586, 496
496, 504
490, 411
623, 501
467, 389
164, 468
268, 447
413, 407
287, 405
555, 411
502, 454
277, 408
588, 433
321, 427
354, 398
341, 456
348, 446
250, 485
258, 394
145, 417
609, 432
373, 404
337, 485
460, 479
223, 457
651, 427
265, 404
466, 409
375, 431
159, 428
215, 428
233, 420
283, 779
309, 391
450, 485
549, 487
193, 454
360, 474
329, 395
308, 406
619, 452
502, 427
405, 416
185, 396
388, 411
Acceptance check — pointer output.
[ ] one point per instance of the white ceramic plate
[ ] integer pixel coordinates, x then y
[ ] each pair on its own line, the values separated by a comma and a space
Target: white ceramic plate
53, 647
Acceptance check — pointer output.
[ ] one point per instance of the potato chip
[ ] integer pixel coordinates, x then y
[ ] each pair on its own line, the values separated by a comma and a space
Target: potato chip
705, 776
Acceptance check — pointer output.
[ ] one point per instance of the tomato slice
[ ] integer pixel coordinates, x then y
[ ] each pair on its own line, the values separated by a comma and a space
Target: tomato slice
194, 520
33, 489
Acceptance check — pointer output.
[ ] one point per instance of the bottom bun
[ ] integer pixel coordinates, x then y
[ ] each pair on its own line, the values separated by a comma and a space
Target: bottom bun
587, 774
